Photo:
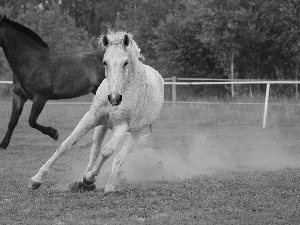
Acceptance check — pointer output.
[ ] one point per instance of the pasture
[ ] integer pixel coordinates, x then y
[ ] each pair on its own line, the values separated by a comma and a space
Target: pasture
203, 164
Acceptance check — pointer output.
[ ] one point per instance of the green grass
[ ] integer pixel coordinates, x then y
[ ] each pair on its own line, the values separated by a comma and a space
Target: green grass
203, 164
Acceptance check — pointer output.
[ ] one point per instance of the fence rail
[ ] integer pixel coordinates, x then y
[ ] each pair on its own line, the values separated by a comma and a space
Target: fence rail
207, 81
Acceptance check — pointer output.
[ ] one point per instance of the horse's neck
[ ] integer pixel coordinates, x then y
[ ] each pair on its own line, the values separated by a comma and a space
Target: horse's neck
18, 43
137, 73
17, 47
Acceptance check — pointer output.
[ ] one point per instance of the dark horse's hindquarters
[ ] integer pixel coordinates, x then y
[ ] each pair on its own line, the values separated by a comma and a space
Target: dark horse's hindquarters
40, 74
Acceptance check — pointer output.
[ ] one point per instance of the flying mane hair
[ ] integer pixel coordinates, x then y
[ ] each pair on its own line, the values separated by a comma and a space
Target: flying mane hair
117, 37
26, 31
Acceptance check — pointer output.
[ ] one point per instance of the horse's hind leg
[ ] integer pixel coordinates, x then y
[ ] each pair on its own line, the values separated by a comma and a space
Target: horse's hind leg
120, 157
17, 107
37, 107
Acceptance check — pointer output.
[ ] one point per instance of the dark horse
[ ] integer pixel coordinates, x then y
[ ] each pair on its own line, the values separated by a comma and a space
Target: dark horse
40, 74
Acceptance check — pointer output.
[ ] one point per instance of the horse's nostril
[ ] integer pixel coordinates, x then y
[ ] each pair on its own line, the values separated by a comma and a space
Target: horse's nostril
119, 99
115, 99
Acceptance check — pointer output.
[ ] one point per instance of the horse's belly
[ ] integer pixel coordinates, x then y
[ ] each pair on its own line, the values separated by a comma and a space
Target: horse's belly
146, 114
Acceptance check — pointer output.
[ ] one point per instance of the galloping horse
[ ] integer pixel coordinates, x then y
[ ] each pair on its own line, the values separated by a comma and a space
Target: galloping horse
40, 74
127, 101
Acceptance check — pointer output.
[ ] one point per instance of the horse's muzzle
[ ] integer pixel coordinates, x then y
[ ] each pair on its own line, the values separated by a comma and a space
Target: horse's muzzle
115, 99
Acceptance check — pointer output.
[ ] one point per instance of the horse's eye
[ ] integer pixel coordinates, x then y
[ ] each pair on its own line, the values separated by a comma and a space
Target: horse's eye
125, 64
104, 63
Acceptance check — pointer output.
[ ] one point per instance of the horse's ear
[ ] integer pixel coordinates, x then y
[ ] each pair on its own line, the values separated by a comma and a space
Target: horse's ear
126, 40
2, 19
105, 41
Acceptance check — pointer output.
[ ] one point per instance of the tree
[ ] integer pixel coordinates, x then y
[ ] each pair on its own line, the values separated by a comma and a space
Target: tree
57, 28
141, 17
93, 15
179, 50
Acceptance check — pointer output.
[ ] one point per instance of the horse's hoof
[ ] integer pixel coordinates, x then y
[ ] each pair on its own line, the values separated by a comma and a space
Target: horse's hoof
56, 135
79, 186
87, 182
3, 146
53, 134
34, 185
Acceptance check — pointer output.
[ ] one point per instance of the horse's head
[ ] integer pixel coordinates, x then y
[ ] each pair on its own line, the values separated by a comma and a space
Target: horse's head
116, 61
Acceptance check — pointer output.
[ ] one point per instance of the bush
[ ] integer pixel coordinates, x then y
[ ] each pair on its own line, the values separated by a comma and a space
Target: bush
57, 28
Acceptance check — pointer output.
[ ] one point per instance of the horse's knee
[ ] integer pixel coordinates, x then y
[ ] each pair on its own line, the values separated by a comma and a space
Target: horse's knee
32, 122
107, 152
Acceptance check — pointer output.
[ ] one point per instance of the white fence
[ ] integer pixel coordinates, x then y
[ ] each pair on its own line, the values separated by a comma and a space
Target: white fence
177, 81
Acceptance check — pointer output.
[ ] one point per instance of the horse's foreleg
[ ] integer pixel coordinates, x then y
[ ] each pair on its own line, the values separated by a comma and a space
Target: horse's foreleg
88, 122
119, 159
17, 107
37, 107
98, 138
91, 176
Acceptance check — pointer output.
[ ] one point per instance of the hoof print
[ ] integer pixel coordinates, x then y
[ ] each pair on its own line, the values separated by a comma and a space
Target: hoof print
112, 193
81, 187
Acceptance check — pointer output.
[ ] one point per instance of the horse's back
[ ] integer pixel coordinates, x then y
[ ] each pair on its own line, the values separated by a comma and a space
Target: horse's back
76, 74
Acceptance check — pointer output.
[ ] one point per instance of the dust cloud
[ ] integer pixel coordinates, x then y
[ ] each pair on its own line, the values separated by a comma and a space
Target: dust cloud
207, 152
206, 155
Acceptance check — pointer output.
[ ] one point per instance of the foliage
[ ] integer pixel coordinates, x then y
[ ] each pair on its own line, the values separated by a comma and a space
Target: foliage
93, 15
57, 28
141, 18
186, 38
261, 34
178, 50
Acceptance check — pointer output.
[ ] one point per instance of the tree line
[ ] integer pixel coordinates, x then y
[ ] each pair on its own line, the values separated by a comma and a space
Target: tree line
235, 39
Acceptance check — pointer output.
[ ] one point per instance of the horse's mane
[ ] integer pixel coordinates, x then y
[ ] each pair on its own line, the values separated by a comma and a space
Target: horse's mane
26, 31
117, 37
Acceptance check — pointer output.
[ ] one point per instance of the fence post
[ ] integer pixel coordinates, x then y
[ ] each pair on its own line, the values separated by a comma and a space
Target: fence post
266, 105
296, 85
174, 90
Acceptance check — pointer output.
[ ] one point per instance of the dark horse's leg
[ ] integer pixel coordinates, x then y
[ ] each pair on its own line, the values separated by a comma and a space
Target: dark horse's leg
17, 107
37, 107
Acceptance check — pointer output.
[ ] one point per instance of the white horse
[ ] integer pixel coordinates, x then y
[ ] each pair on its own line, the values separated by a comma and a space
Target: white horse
127, 101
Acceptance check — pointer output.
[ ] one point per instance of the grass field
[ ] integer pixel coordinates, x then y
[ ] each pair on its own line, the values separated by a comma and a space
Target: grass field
203, 164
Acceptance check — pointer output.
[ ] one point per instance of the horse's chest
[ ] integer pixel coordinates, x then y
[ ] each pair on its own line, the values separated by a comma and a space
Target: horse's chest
117, 116
137, 114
